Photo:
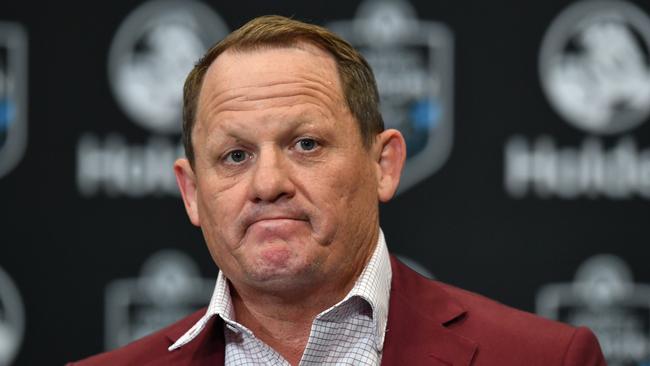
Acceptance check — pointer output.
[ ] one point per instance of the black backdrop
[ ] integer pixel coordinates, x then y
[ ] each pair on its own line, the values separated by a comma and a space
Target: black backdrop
64, 247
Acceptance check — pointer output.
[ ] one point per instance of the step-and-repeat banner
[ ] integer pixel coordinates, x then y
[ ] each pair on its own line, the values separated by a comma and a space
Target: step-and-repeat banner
527, 178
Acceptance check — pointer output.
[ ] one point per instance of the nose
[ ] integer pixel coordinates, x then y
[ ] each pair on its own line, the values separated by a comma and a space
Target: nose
271, 180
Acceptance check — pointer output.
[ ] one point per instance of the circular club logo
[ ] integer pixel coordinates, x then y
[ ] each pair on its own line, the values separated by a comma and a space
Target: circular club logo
12, 319
151, 54
595, 66
169, 287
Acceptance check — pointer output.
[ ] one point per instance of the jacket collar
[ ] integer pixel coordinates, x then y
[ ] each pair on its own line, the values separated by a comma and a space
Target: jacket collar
419, 316
418, 332
207, 349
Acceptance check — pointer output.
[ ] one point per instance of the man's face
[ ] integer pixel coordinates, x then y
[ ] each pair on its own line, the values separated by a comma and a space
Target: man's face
285, 191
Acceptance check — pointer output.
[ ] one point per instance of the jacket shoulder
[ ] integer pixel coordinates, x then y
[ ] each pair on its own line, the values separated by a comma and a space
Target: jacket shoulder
503, 335
485, 315
506, 333
146, 349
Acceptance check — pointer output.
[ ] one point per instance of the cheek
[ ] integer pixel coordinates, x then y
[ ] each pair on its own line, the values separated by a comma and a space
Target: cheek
355, 181
345, 197
361, 194
220, 238
219, 208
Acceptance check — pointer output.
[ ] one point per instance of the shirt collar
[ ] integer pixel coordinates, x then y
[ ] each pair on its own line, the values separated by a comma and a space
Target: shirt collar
373, 285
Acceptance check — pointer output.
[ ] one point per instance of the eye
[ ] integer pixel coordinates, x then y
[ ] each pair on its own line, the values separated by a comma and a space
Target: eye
237, 156
306, 144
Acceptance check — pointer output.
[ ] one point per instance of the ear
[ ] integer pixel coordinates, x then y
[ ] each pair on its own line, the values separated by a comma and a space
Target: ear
391, 154
186, 180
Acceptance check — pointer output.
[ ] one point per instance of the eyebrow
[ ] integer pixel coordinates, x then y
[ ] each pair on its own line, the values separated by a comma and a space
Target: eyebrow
229, 132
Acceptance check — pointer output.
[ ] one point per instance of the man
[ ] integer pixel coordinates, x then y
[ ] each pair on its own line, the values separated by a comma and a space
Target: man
287, 160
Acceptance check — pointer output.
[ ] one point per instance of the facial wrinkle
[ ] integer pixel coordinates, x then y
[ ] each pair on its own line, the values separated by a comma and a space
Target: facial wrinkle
255, 94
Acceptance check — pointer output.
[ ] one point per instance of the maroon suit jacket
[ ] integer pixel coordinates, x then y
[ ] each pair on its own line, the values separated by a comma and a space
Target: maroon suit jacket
429, 323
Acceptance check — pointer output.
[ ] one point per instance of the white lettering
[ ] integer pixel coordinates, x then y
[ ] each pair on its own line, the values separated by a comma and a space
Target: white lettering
116, 168
621, 172
518, 167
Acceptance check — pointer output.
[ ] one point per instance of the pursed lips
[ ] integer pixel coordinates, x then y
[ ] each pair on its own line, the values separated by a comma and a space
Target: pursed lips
276, 217
280, 218
274, 226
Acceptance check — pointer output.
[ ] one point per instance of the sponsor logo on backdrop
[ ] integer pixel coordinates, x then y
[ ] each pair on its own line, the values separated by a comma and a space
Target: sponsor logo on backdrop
152, 52
594, 66
12, 320
13, 95
595, 72
604, 298
114, 167
169, 287
413, 63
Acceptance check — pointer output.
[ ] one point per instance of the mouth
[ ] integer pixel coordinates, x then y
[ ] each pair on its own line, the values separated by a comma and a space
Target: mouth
273, 216
271, 229
274, 220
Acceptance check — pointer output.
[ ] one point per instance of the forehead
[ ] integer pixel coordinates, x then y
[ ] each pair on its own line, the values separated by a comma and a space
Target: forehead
270, 84
241, 71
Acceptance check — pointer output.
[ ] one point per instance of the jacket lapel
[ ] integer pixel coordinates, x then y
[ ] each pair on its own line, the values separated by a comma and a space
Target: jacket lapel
419, 314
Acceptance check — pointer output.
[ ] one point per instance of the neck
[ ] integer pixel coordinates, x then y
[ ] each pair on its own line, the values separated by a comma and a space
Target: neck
284, 322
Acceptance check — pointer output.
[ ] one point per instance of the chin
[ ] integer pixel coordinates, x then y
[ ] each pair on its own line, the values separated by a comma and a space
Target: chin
282, 271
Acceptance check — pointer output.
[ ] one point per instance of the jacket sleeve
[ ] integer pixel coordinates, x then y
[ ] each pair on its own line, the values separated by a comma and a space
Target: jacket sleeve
584, 350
